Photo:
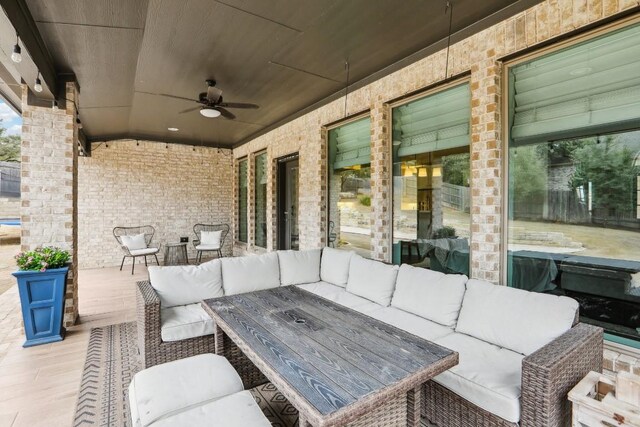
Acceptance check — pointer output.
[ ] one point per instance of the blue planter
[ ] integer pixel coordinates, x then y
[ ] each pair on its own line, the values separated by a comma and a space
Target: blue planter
42, 300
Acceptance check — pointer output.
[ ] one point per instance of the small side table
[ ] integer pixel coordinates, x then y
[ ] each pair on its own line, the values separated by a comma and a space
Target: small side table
175, 254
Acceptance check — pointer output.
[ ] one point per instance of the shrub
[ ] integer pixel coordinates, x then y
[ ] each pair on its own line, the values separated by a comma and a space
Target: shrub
444, 232
42, 259
365, 200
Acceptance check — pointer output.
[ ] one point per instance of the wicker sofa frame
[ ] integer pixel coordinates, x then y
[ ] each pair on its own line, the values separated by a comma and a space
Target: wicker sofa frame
152, 349
547, 374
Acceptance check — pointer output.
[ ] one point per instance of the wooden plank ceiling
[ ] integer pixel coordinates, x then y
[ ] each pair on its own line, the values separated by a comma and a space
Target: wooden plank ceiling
283, 55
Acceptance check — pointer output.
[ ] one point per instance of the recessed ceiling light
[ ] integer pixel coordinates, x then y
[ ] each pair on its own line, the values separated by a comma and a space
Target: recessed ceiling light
173, 129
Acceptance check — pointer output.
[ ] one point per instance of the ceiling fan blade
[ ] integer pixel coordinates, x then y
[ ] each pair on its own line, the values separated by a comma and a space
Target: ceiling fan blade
189, 110
169, 96
225, 113
238, 105
213, 94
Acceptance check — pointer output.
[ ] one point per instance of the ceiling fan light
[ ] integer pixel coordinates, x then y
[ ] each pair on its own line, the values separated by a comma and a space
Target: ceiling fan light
209, 112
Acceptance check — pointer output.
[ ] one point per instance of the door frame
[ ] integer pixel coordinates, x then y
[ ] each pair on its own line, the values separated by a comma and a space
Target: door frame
281, 193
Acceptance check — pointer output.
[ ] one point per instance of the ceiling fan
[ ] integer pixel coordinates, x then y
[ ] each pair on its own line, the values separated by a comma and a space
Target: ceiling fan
212, 104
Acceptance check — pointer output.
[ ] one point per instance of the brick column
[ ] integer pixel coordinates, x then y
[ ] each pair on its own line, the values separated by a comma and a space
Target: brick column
486, 168
50, 182
380, 182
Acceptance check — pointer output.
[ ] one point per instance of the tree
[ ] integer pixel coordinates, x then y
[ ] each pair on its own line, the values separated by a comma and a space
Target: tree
9, 146
529, 175
455, 169
612, 172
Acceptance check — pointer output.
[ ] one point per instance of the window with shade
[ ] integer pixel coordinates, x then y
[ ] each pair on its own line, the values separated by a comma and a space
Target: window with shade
349, 224
573, 178
242, 201
431, 195
260, 186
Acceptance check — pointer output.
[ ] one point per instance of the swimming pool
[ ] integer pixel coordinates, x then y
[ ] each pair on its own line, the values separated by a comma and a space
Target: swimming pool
9, 221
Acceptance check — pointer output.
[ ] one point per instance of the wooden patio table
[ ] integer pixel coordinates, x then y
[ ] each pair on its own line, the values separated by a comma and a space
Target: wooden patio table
334, 365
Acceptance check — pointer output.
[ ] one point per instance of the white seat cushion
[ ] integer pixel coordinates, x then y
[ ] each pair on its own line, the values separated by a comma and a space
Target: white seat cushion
513, 318
430, 294
340, 296
211, 238
186, 284
372, 280
298, 267
236, 410
207, 248
334, 267
161, 390
185, 321
145, 251
411, 323
134, 242
250, 273
486, 375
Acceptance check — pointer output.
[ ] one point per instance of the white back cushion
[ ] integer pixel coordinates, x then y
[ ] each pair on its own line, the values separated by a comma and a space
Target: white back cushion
519, 320
298, 267
186, 284
430, 294
250, 273
211, 238
334, 267
372, 280
134, 242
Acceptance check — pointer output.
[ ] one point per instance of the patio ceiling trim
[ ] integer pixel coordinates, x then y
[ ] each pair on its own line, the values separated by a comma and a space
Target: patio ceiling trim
30, 38
476, 27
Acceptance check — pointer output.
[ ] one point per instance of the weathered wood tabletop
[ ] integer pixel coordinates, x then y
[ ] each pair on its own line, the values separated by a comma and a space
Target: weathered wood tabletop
332, 363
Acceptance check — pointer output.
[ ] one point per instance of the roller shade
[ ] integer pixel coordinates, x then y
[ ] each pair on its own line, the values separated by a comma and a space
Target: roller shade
436, 122
586, 89
350, 145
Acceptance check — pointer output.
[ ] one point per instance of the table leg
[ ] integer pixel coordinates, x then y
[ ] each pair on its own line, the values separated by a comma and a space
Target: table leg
219, 341
414, 406
186, 255
302, 421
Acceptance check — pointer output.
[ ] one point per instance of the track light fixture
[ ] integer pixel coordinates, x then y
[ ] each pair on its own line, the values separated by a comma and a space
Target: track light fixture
16, 56
38, 86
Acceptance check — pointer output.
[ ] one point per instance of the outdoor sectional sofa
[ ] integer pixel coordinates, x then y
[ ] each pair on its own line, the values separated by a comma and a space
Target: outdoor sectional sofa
519, 352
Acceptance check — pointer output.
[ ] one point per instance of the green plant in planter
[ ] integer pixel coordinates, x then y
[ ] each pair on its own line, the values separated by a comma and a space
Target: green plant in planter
41, 259
444, 232
365, 200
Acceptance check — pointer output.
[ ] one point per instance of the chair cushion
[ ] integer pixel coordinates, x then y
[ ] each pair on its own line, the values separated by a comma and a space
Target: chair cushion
486, 375
340, 296
207, 248
163, 389
133, 242
430, 294
334, 267
236, 410
211, 238
186, 284
411, 323
145, 251
250, 273
298, 267
513, 318
372, 280
185, 321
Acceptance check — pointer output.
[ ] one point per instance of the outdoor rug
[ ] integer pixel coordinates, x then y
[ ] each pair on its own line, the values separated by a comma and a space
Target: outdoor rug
112, 360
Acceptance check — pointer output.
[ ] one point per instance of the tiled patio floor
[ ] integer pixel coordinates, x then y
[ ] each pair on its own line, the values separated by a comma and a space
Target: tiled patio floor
39, 385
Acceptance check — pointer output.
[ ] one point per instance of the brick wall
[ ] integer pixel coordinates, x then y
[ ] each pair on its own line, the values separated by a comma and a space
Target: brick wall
49, 184
169, 186
479, 55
